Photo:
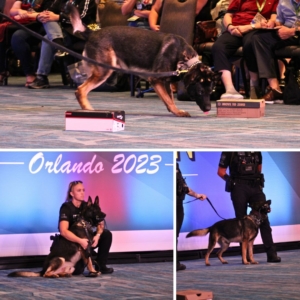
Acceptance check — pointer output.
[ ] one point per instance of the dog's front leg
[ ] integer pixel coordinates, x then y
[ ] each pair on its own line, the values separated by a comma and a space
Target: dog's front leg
162, 93
250, 252
97, 78
244, 252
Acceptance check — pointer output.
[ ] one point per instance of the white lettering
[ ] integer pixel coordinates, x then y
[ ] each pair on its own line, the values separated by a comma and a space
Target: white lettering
37, 163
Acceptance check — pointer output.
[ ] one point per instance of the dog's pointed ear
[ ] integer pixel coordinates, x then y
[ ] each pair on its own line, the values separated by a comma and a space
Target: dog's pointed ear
269, 202
90, 202
96, 201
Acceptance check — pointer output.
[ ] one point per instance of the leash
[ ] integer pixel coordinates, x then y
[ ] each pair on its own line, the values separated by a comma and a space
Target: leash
92, 61
210, 205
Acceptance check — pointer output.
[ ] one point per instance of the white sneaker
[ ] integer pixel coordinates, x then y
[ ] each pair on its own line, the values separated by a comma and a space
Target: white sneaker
232, 96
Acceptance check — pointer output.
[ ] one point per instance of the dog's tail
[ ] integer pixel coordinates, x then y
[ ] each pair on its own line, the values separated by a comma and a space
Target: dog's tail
75, 19
25, 274
198, 232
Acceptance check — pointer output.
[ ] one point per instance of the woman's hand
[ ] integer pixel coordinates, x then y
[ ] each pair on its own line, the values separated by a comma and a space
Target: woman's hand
234, 30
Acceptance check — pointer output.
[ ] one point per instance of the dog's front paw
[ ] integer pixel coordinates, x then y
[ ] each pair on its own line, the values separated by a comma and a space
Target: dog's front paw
253, 262
246, 262
183, 113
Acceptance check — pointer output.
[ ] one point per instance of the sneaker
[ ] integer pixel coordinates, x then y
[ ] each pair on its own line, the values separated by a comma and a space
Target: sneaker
180, 267
60, 53
232, 96
40, 82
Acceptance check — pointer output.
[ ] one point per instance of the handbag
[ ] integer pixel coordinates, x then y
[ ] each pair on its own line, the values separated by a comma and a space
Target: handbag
205, 31
291, 92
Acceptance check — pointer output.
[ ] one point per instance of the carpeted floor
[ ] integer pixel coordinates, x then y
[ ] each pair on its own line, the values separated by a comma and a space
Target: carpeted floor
153, 281
35, 119
237, 281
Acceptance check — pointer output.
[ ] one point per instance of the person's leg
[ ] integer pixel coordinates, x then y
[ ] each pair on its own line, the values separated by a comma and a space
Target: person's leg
263, 50
22, 37
104, 245
250, 60
179, 221
44, 67
223, 49
239, 196
55, 33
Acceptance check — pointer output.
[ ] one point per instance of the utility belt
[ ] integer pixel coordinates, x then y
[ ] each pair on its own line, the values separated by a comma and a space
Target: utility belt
253, 182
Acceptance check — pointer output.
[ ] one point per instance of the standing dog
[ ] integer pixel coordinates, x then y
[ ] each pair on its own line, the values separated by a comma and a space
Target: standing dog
145, 51
64, 254
242, 231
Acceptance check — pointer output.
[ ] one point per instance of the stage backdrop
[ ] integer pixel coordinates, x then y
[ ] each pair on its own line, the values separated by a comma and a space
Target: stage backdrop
135, 191
282, 173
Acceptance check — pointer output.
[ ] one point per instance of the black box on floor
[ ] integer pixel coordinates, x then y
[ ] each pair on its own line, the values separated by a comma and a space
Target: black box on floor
194, 295
95, 120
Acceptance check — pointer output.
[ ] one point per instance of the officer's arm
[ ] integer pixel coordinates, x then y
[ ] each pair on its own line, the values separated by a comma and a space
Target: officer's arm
67, 234
222, 173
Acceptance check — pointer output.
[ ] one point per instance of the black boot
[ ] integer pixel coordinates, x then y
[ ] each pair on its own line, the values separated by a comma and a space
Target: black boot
273, 258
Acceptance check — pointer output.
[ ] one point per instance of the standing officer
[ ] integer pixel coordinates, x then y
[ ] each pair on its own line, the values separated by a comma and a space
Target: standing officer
181, 190
245, 183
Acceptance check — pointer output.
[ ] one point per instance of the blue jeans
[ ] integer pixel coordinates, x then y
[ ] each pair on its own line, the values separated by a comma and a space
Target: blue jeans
53, 31
21, 43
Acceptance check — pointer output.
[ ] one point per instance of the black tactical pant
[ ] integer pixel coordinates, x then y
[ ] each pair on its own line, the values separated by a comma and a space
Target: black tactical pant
179, 221
243, 194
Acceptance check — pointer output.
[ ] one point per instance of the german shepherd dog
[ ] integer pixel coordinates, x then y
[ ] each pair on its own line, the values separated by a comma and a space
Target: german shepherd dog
65, 254
145, 51
242, 230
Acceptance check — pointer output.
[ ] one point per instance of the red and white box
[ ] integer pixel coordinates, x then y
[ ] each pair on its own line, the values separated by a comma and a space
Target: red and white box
95, 120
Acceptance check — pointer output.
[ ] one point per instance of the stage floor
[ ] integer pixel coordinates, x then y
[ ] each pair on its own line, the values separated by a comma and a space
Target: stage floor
237, 281
153, 281
36, 119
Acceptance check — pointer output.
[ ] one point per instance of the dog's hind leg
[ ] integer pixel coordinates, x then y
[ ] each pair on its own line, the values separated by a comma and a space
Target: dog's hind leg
54, 265
211, 245
161, 91
99, 75
224, 246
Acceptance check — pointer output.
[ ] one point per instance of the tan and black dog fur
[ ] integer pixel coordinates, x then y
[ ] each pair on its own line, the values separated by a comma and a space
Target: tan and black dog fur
65, 254
243, 231
145, 51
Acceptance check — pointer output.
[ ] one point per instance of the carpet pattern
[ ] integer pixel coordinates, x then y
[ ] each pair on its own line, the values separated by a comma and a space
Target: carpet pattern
153, 281
237, 281
35, 119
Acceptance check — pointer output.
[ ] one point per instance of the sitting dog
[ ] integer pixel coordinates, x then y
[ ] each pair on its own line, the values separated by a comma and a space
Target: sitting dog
145, 51
242, 230
64, 254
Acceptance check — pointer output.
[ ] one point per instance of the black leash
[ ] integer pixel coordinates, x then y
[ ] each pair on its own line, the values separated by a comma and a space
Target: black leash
209, 203
89, 60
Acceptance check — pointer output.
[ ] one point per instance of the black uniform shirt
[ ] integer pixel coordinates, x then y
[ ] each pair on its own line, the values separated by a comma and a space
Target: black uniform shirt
69, 212
240, 164
181, 186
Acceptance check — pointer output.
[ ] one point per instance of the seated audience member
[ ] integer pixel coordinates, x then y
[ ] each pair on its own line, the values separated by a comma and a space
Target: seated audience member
24, 38
139, 11
87, 11
202, 12
260, 57
240, 28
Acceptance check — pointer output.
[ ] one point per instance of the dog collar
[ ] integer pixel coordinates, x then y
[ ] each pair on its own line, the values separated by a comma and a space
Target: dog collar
192, 62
